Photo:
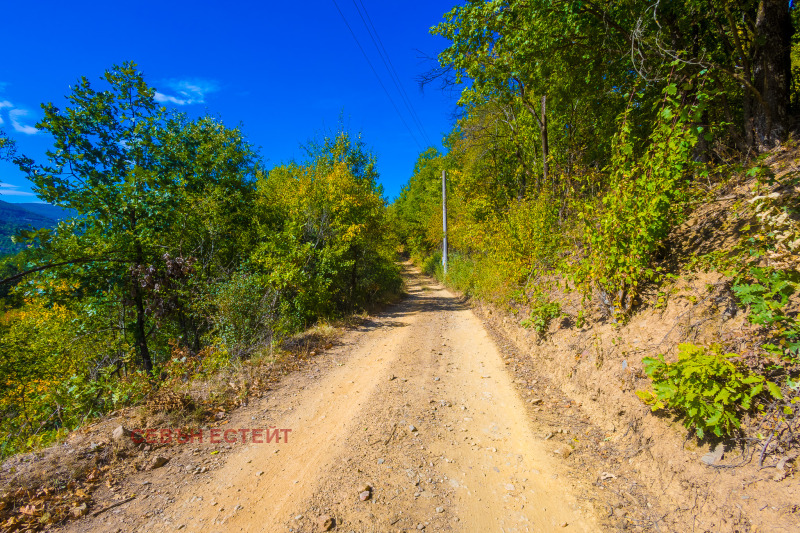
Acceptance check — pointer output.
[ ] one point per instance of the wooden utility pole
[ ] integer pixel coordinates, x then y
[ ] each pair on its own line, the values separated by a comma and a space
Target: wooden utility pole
444, 221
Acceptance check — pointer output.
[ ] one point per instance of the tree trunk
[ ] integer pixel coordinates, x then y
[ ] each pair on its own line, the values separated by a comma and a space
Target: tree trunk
767, 113
139, 333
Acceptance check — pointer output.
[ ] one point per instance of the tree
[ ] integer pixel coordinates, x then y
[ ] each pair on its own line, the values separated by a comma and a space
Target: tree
587, 52
325, 246
768, 107
133, 174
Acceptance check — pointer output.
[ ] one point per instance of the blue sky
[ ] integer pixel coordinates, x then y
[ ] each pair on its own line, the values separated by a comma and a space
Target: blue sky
284, 71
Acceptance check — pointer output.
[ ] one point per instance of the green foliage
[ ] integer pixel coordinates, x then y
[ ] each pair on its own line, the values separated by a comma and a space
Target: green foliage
329, 250
56, 373
706, 387
767, 292
432, 265
542, 313
245, 314
186, 255
7, 146
642, 205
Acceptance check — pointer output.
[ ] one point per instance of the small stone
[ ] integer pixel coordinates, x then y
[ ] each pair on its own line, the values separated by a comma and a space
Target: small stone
563, 452
121, 434
325, 522
260, 473
381, 461
364, 495
219, 416
298, 517
435, 379
158, 462
440, 509
412, 428
534, 401
79, 510
715, 456
392, 377
509, 487
365, 487
420, 526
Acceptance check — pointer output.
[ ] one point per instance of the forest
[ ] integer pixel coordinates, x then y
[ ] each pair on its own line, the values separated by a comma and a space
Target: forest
586, 132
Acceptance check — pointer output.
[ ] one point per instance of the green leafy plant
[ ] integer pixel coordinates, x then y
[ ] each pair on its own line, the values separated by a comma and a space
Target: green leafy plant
580, 321
541, 316
706, 387
767, 292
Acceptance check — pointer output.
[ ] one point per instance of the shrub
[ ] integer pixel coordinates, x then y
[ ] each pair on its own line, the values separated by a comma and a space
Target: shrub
706, 387
643, 203
768, 296
541, 315
246, 313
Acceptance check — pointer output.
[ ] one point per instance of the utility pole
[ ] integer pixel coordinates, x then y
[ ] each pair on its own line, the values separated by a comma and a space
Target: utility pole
444, 221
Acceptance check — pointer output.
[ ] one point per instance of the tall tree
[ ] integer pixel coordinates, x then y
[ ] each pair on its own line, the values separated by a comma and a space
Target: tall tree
768, 104
133, 175
102, 167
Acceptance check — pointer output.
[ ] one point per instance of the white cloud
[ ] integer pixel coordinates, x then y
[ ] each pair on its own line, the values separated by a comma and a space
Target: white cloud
15, 115
187, 92
4, 103
6, 189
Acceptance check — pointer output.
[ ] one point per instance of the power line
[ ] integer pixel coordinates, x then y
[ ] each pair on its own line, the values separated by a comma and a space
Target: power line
389, 96
384, 55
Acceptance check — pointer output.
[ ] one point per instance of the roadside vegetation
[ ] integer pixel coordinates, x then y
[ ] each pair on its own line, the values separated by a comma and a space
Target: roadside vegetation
589, 133
186, 257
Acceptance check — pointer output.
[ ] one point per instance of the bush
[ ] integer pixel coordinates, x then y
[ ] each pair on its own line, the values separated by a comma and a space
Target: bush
245, 314
704, 386
768, 296
542, 313
432, 265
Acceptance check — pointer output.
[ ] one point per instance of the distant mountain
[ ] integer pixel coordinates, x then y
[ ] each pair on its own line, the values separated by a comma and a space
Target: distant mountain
14, 217
49, 211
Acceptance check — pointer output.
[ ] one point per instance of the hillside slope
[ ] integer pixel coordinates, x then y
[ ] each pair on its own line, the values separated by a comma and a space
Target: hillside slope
16, 217
744, 482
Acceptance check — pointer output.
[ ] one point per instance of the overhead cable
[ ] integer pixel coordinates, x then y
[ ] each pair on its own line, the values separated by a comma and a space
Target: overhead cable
389, 96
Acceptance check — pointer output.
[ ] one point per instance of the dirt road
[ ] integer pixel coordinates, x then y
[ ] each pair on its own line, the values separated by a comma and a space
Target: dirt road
417, 405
